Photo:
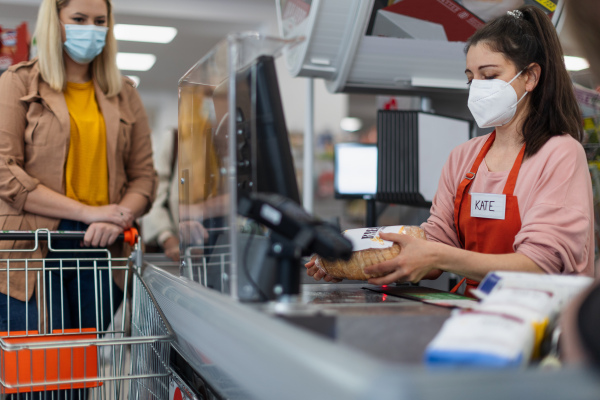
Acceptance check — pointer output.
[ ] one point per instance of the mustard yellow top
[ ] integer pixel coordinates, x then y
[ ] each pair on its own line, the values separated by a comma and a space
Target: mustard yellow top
86, 171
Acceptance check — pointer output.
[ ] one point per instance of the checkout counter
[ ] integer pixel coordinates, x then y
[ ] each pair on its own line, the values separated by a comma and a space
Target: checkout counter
247, 325
339, 342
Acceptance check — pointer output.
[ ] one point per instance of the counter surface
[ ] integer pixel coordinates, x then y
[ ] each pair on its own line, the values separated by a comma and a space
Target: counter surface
386, 327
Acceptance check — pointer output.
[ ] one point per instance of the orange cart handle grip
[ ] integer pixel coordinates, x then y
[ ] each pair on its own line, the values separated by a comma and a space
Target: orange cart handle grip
130, 236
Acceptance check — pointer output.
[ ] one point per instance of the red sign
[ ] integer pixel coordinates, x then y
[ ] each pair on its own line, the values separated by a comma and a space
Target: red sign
459, 23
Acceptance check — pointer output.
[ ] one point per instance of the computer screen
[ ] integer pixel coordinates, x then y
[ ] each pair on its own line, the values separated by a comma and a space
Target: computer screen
355, 170
265, 162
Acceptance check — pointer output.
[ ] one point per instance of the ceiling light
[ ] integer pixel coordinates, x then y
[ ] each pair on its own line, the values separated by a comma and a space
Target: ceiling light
135, 79
145, 33
576, 63
351, 124
135, 61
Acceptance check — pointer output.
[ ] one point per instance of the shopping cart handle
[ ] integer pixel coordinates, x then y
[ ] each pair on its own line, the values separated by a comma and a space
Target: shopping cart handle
129, 236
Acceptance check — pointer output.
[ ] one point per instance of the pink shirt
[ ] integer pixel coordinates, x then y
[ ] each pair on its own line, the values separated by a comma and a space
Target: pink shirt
554, 193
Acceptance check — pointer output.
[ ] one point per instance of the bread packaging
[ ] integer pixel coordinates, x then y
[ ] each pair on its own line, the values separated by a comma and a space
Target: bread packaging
367, 249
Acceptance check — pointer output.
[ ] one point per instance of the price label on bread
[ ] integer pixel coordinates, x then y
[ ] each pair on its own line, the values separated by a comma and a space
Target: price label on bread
367, 249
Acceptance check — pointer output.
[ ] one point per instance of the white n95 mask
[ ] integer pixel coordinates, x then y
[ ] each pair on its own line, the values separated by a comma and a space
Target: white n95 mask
493, 102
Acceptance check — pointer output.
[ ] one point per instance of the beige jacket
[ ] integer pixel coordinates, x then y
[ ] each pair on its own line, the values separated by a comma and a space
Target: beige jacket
34, 143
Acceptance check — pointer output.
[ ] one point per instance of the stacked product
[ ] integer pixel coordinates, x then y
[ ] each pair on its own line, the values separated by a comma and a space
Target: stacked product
507, 327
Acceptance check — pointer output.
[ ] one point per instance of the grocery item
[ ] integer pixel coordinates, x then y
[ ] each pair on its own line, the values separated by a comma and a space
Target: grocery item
368, 249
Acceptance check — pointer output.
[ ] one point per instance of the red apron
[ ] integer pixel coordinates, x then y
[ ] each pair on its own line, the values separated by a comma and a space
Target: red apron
486, 235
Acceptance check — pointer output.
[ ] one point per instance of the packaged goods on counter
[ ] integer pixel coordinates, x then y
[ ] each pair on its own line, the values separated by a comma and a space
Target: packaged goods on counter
367, 249
479, 339
506, 329
563, 288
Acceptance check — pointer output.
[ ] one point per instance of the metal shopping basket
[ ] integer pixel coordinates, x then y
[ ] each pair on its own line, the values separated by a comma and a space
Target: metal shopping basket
82, 362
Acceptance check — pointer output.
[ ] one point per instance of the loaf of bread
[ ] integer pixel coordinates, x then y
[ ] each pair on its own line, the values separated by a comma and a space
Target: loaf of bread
368, 249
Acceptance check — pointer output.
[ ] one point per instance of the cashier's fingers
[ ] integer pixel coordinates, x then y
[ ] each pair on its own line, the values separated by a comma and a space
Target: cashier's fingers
318, 275
385, 267
312, 262
391, 270
396, 276
401, 239
315, 272
311, 268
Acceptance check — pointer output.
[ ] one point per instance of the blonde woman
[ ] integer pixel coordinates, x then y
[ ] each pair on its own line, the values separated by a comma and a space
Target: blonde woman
75, 154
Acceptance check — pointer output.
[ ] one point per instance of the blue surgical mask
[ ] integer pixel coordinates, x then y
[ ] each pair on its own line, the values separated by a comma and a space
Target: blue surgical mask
84, 42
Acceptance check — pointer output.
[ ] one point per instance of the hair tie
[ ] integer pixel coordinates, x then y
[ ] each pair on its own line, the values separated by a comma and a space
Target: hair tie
515, 13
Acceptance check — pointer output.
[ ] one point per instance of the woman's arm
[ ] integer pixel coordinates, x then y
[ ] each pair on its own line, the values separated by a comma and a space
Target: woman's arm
419, 257
46, 202
135, 202
105, 222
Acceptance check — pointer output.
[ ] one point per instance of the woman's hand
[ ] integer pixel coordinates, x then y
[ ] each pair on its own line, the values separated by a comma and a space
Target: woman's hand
101, 234
112, 213
192, 232
315, 272
171, 246
417, 260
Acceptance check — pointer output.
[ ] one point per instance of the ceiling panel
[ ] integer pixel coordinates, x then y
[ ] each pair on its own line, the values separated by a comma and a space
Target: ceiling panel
200, 24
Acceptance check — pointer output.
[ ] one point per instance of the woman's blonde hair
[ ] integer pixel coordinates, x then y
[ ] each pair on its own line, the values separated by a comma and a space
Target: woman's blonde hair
50, 50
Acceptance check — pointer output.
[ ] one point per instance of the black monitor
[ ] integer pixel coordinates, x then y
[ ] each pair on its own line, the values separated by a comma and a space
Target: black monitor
264, 165
355, 170
265, 162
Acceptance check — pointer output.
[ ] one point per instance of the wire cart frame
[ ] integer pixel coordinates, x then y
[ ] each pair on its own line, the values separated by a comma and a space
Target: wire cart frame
129, 359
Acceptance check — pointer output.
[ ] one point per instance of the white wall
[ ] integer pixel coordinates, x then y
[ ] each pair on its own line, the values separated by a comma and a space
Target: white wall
329, 108
162, 111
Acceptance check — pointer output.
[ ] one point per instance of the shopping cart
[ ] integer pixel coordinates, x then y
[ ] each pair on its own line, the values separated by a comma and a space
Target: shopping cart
54, 361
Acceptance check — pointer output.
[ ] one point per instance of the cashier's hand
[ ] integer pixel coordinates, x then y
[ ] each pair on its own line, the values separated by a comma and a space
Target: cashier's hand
315, 272
415, 262
101, 234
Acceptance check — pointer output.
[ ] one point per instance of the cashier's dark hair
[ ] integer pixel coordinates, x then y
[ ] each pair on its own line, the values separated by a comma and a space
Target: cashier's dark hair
527, 36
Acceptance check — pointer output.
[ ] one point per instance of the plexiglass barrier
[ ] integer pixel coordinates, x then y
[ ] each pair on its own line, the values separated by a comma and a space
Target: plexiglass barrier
232, 140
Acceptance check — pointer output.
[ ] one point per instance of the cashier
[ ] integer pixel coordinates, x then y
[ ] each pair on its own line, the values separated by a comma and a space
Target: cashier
519, 198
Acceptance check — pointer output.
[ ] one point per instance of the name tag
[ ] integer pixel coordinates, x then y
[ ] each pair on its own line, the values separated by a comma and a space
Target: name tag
486, 205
